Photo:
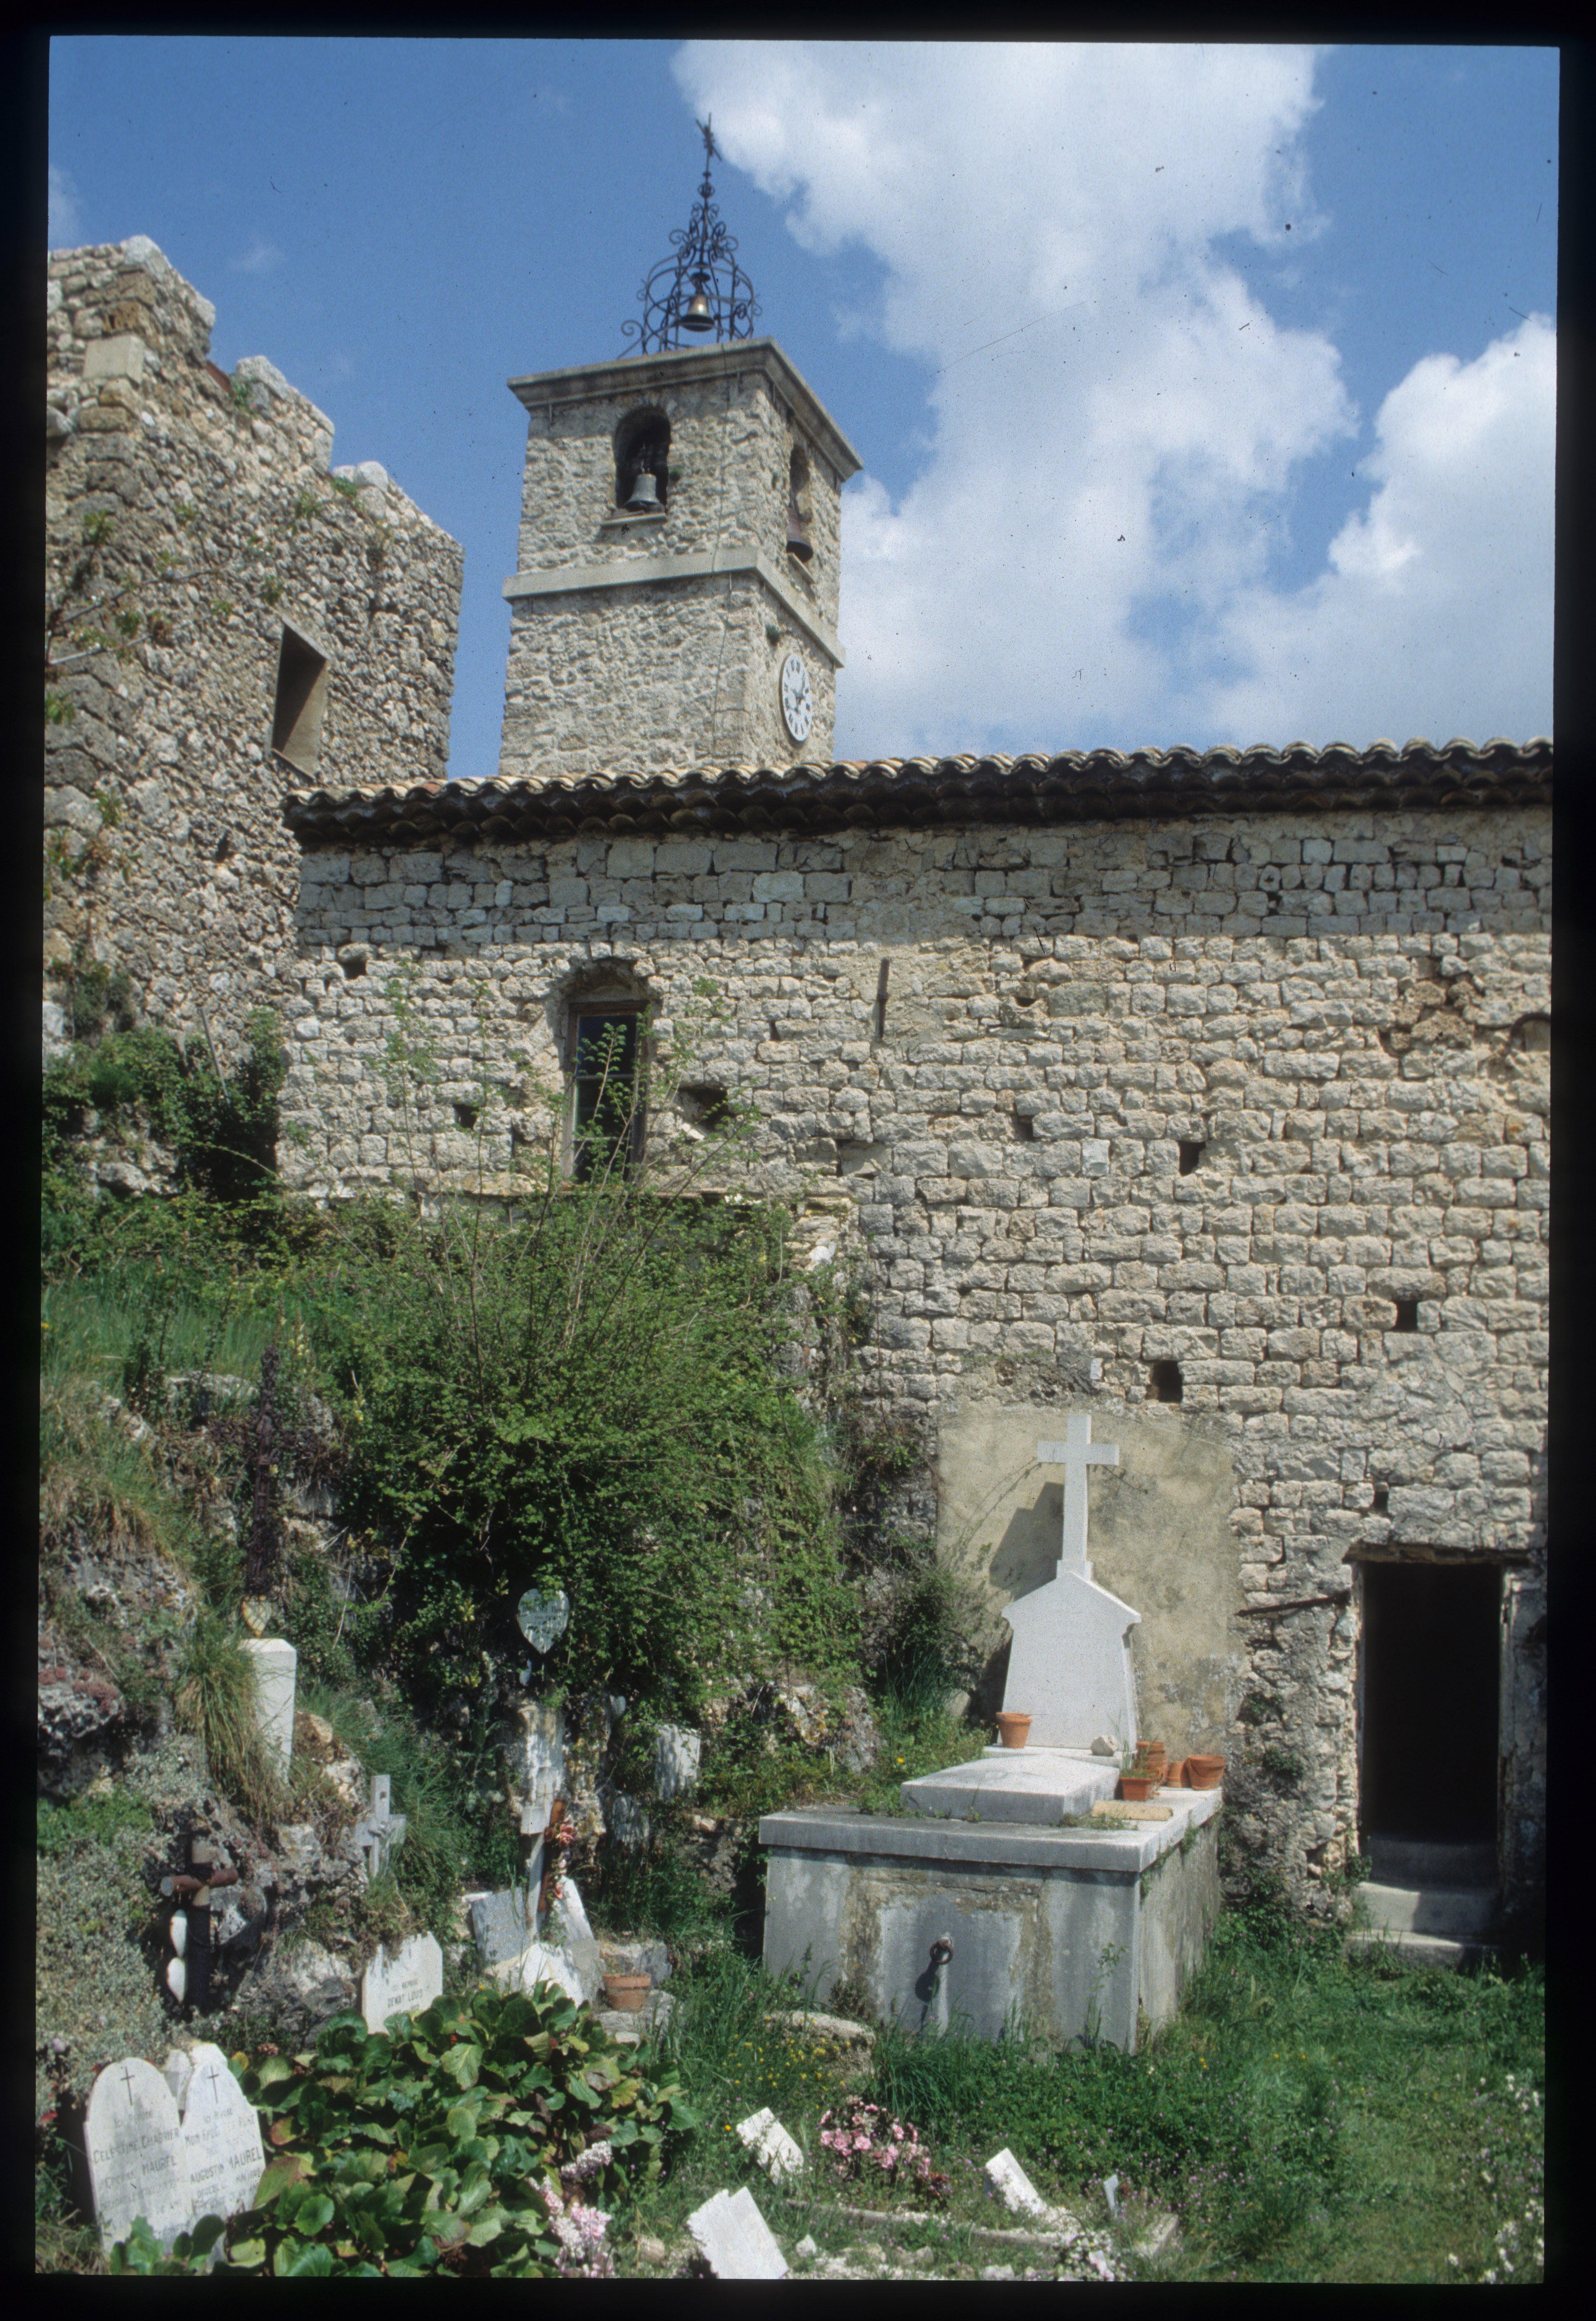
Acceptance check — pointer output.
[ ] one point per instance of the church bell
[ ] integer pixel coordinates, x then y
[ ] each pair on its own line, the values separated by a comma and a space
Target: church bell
697, 315
645, 494
797, 538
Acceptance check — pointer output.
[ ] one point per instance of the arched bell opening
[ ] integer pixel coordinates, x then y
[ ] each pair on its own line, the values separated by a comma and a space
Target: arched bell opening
642, 463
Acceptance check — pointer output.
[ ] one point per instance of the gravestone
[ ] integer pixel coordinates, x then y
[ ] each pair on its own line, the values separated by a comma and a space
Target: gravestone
275, 1664
171, 2147
137, 2164
402, 1981
578, 1942
770, 2144
735, 2239
221, 2138
1069, 1666
502, 1925
538, 1963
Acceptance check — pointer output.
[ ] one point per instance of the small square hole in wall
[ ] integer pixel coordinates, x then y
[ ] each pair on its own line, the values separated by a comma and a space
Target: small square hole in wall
300, 703
465, 1116
1192, 1152
1382, 1502
1406, 1313
1023, 1129
705, 1103
1166, 1382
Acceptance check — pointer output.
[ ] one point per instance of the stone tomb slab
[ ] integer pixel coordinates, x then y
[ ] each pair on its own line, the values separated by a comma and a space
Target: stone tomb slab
402, 1981
1089, 1927
1038, 1786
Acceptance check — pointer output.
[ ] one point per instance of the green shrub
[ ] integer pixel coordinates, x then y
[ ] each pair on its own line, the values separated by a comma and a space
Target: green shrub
427, 2146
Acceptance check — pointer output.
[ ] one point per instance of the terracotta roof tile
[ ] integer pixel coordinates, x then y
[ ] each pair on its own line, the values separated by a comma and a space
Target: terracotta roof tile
920, 793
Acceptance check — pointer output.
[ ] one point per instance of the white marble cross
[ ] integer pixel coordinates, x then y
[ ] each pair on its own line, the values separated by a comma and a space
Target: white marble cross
1075, 1454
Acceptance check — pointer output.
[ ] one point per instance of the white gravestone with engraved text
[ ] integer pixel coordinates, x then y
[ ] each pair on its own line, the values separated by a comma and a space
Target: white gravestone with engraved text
137, 2165
171, 2147
402, 1981
1069, 1666
221, 2138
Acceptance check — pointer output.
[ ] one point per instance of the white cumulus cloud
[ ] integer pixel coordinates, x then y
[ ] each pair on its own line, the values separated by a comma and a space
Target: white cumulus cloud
1115, 423
1434, 616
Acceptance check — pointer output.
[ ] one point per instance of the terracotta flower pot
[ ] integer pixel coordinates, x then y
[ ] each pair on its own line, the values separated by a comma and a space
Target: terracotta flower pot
1174, 1776
1136, 1788
627, 1992
1205, 1772
1012, 1729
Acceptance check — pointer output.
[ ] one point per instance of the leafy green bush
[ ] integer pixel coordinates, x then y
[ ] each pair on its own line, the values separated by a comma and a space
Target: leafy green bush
222, 1128
590, 1401
428, 2146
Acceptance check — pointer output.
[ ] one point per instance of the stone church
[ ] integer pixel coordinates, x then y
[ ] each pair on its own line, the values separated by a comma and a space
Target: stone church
1202, 1093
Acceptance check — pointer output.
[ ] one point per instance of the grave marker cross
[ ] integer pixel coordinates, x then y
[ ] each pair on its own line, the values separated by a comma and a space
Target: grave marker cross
1075, 1454
379, 1830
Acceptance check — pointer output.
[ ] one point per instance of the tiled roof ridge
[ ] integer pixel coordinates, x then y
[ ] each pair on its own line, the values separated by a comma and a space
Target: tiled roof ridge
1069, 785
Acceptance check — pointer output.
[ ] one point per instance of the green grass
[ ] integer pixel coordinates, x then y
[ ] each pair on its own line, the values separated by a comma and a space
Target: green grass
1309, 2116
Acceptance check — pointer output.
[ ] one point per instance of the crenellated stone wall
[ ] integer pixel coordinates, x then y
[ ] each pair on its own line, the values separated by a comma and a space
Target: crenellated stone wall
1263, 1097
166, 852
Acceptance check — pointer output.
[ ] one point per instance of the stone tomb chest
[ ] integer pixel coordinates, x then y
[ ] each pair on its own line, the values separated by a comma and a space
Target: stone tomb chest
977, 1902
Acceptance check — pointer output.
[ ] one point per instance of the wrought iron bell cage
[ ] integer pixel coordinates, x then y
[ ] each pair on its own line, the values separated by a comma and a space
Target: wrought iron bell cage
699, 295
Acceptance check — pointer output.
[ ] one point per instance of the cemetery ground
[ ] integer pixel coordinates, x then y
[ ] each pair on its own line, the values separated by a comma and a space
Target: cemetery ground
1309, 2115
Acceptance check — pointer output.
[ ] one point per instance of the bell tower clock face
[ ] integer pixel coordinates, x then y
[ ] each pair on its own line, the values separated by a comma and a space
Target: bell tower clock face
798, 697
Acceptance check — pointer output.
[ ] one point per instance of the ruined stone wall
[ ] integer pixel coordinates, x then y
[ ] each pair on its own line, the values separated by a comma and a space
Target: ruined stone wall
166, 852
1347, 1016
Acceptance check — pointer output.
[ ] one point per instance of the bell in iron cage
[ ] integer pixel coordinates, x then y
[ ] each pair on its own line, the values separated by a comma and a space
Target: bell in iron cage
698, 314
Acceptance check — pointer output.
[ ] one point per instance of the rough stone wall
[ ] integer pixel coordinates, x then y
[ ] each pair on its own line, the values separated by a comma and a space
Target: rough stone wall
1348, 1016
657, 675
672, 671
166, 851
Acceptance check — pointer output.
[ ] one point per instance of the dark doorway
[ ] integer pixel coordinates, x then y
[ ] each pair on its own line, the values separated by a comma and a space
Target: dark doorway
1428, 1745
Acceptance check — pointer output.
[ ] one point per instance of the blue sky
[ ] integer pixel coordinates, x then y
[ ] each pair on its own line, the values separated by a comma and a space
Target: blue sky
1204, 395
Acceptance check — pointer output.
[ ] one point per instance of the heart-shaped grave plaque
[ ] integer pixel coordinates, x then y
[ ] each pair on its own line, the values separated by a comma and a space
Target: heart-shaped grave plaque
543, 1615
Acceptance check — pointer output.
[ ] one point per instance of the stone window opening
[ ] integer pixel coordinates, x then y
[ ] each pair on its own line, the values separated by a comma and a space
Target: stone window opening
607, 1059
801, 541
881, 982
1022, 1128
1192, 1149
1381, 1501
642, 451
1167, 1383
465, 1116
300, 703
1406, 1313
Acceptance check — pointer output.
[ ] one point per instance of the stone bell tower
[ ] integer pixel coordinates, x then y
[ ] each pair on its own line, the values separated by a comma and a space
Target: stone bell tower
676, 603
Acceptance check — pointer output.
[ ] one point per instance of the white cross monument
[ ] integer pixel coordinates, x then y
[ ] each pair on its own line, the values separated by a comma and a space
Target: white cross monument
1070, 1668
